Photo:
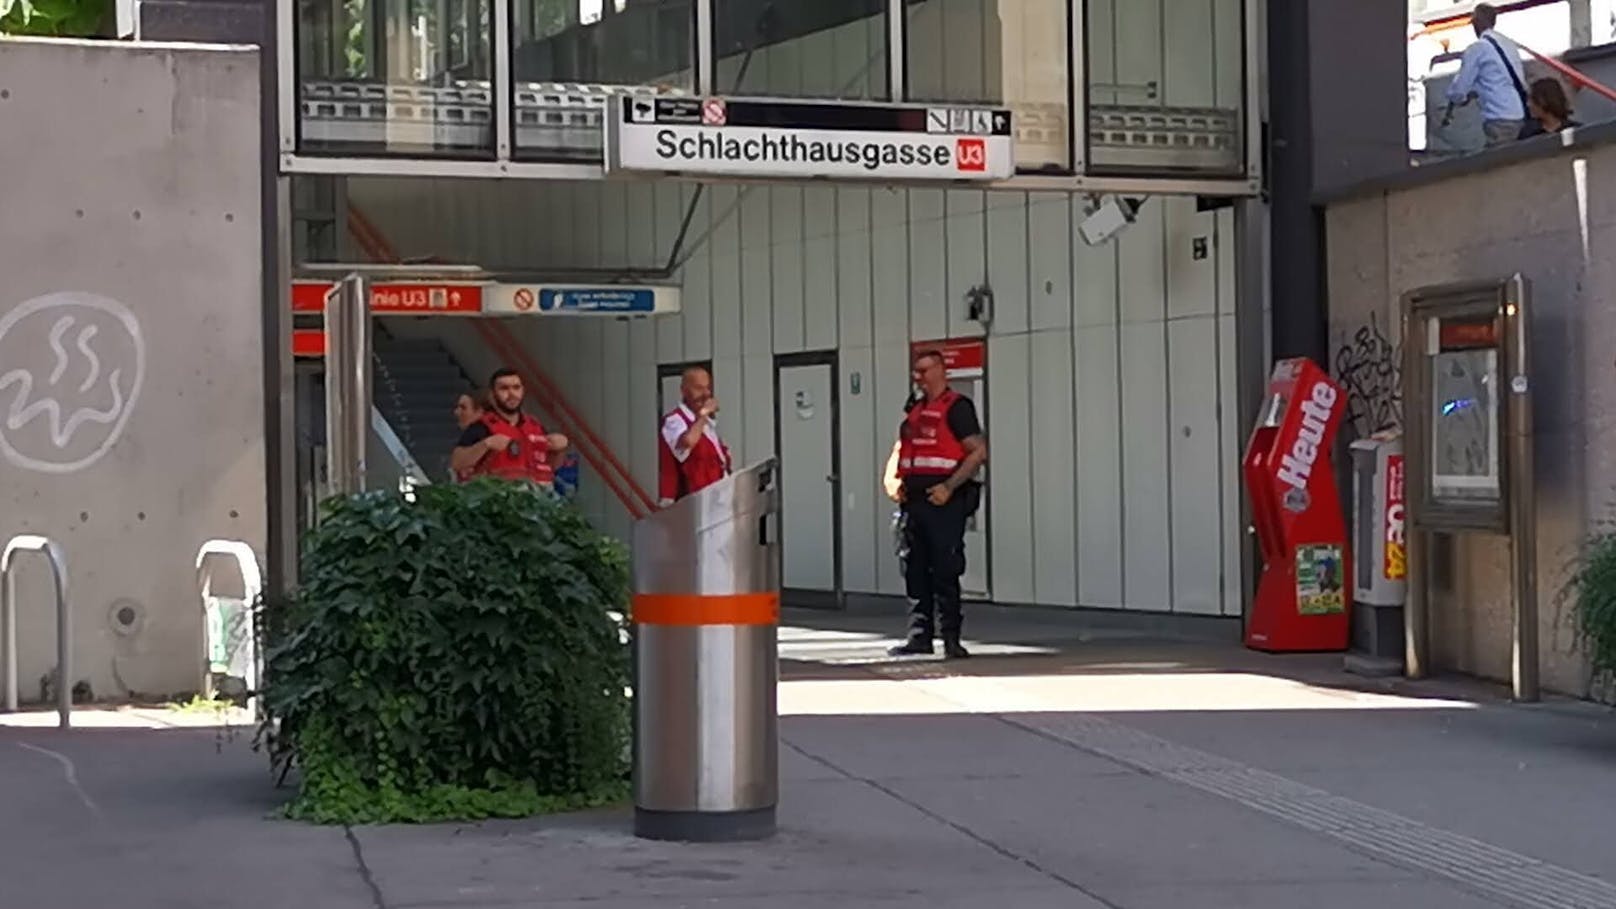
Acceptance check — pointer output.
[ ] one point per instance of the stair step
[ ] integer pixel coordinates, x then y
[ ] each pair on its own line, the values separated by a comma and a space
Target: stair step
421, 370
435, 366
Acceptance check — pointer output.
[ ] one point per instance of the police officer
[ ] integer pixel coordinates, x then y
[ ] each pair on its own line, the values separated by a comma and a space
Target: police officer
507, 442
940, 450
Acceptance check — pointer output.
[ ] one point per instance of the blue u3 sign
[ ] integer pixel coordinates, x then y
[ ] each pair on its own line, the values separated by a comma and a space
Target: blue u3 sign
598, 299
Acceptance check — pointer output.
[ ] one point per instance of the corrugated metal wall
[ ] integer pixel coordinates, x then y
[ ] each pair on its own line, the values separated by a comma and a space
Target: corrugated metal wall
1111, 373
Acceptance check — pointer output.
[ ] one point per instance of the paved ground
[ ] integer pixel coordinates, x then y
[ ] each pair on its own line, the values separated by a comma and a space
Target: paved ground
1065, 767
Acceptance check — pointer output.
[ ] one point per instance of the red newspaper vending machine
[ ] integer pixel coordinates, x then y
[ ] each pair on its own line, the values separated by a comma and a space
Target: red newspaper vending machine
1306, 584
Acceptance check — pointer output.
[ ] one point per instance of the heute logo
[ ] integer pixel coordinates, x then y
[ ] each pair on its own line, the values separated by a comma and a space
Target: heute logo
971, 154
1296, 467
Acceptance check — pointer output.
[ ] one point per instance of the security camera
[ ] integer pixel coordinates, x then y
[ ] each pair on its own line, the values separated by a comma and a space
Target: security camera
1107, 217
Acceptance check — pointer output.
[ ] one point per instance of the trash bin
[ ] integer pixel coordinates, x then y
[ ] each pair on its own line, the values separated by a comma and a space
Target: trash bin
706, 610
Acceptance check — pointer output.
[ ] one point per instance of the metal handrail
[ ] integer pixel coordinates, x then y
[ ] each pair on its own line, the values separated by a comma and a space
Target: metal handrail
252, 582
413, 473
28, 542
1577, 76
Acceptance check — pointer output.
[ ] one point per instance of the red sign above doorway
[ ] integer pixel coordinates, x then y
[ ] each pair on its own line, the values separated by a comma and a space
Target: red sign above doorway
960, 355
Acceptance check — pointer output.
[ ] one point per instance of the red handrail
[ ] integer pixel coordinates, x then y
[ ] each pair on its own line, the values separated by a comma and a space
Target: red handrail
549, 397
1576, 76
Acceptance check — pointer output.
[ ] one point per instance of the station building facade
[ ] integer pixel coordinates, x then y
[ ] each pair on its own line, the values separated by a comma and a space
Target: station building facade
1114, 361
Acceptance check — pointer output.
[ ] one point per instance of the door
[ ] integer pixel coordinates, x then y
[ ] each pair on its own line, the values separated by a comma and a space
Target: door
974, 583
806, 438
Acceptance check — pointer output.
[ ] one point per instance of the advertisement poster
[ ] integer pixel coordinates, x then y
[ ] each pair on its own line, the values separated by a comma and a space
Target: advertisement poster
1396, 567
1319, 579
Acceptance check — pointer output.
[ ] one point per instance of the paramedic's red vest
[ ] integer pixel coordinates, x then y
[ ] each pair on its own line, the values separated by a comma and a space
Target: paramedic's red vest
526, 458
706, 464
928, 446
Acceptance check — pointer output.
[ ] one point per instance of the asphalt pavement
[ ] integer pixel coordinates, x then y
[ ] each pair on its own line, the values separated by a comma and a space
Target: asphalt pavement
1067, 765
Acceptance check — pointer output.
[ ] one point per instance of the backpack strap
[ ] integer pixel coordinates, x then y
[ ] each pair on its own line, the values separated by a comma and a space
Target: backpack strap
1504, 59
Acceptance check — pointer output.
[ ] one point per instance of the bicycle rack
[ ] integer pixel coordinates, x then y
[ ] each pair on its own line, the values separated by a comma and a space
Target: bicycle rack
64, 623
252, 581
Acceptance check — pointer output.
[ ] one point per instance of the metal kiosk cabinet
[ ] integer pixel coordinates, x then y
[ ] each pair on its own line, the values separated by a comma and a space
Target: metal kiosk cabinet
706, 610
1379, 554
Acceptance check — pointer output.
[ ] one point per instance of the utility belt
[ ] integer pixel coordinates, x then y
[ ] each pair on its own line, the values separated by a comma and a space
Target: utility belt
970, 494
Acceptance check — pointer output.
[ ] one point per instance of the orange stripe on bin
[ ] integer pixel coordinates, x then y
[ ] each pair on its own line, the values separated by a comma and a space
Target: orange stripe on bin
698, 609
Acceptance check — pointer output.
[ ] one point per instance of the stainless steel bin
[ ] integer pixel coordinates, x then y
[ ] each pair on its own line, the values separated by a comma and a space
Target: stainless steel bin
706, 611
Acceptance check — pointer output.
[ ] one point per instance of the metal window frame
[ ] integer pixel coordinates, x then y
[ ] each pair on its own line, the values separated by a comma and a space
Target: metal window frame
503, 167
706, 68
286, 54
502, 78
1077, 83
897, 51
1255, 60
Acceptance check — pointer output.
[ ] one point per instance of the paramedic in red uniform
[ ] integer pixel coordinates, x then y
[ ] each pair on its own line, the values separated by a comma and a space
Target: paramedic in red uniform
506, 442
692, 456
940, 450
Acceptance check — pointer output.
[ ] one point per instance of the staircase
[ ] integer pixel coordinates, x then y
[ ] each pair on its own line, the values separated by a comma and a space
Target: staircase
416, 383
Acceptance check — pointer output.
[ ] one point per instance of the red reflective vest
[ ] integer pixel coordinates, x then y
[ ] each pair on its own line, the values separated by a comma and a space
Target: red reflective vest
526, 458
928, 446
705, 464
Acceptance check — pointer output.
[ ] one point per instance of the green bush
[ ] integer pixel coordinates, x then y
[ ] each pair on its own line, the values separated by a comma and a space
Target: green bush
55, 18
449, 656
1593, 586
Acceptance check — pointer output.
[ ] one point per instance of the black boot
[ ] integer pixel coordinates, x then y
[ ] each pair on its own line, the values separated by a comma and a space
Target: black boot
954, 650
915, 646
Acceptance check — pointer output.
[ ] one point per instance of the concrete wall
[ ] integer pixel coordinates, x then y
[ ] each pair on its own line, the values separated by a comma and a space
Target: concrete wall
131, 402
233, 21
1523, 214
1359, 123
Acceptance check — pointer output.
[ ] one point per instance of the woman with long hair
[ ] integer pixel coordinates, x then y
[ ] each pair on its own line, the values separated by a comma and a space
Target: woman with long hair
1549, 106
468, 409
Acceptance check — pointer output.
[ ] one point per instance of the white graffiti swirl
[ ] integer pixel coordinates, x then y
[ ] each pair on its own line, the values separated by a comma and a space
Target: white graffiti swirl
44, 395
61, 431
95, 361
56, 332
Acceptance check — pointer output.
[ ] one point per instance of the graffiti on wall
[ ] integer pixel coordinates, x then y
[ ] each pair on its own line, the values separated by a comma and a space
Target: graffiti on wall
83, 361
1370, 367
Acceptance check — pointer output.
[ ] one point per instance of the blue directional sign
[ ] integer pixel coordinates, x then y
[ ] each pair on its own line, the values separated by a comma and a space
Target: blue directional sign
598, 299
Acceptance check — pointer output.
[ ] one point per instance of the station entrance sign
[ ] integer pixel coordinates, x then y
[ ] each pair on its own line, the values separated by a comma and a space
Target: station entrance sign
770, 138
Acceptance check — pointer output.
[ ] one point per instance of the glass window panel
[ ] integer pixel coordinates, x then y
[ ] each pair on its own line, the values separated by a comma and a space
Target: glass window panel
404, 77
1166, 87
568, 56
801, 48
1464, 426
1010, 53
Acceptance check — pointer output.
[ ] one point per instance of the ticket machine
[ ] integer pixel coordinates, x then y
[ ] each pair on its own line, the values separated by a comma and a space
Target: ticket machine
1305, 590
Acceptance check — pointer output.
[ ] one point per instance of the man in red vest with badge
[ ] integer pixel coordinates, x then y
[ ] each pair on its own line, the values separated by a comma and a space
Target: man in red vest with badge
940, 450
506, 442
691, 456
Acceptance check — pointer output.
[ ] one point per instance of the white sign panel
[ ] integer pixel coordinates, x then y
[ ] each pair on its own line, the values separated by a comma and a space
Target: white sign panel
742, 137
582, 300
